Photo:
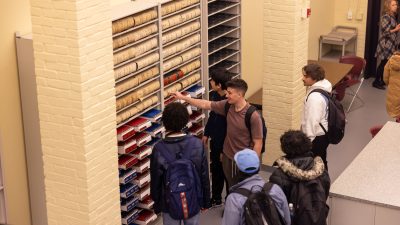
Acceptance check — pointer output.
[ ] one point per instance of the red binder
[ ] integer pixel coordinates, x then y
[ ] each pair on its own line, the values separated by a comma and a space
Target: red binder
142, 179
139, 124
142, 138
142, 165
145, 217
143, 193
127, 146
125, 132
127, 161
142, 152
146, 203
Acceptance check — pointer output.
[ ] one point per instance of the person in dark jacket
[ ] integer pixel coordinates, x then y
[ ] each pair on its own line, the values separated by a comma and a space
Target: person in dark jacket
248, 164
175, 117
298, 164
215, 130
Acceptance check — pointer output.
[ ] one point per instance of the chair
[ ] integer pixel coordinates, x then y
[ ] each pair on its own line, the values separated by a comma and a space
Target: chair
339, 90
375, 129
355, 75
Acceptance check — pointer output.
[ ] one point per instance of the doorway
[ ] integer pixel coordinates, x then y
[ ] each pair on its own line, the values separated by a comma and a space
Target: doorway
372, 35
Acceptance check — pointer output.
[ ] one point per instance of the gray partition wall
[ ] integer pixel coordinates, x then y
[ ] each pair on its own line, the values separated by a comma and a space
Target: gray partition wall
30, 116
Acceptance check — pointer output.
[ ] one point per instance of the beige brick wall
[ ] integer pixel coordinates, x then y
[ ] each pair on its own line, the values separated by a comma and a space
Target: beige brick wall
357, 8
285, 53
73, 61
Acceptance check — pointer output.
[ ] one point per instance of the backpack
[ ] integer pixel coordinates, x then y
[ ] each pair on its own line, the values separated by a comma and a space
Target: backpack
183, 192
247, 118
336, 118
309, 203
259, 208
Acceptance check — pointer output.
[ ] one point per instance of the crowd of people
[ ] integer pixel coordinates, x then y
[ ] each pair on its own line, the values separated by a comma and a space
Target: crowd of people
297, 190
235, 153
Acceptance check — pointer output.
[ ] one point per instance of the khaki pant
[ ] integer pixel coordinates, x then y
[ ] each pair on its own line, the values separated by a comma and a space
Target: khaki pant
230, 170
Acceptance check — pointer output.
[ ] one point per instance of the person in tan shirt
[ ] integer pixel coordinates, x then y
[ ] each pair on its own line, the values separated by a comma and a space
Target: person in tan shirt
238, 136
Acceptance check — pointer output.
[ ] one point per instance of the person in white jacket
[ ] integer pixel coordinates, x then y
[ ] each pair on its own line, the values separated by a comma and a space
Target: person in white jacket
315, 113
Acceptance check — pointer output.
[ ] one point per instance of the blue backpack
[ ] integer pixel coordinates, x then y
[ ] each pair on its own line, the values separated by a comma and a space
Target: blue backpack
183, 192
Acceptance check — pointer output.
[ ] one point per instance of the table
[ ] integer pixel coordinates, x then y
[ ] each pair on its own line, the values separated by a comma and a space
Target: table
334, 71
367, 192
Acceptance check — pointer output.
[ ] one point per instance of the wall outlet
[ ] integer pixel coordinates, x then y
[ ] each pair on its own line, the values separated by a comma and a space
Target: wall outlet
349, 15
360, 16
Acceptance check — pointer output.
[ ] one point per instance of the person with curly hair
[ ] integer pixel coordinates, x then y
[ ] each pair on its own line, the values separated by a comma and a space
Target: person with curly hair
387, 40
175, 117
299, 165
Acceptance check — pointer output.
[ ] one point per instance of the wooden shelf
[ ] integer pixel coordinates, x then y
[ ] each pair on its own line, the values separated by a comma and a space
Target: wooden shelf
197, 5
226, 64
181, 24
135, 43
182, 64
137, 115
220, 6
221, 56
136, 72
180, 38
138, 86
184, 77
220, 31
221, 43
220, 18
198, 44
134, 28
137, 57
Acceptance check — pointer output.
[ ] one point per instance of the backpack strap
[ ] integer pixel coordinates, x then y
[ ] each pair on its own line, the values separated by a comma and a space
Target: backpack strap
243, 191
327, 95
247, 118
227, 106
267, 187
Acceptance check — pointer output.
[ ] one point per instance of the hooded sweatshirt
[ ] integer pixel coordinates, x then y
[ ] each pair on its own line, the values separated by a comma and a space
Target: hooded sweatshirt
292, 170
316, 110
233, 212
391, 77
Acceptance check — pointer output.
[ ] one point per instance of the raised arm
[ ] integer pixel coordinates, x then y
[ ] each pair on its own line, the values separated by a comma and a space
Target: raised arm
201, 103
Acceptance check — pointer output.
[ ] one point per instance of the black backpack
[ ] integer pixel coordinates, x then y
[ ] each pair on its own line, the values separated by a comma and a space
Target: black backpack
259, 208
336, 118
309, 203
247, 118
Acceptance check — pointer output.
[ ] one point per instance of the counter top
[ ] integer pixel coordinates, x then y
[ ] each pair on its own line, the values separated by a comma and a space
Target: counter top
374, 175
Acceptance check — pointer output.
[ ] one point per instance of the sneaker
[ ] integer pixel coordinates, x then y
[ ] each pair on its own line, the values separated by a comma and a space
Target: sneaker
378, 86
216, 202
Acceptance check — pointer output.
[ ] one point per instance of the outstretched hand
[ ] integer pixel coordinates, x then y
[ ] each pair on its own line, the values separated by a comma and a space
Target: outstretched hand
177, 95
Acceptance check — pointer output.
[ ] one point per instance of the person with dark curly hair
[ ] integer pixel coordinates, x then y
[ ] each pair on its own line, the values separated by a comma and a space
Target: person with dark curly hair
179, 144
298, 164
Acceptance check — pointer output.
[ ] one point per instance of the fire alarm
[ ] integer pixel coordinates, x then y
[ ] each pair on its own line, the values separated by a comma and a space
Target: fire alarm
308, 12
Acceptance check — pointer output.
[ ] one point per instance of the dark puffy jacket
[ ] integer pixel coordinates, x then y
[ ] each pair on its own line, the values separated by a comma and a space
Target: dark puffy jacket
158, 169
292, 170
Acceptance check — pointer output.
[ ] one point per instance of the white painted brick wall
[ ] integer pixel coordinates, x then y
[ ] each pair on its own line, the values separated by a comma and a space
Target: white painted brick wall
73, 60
285, 53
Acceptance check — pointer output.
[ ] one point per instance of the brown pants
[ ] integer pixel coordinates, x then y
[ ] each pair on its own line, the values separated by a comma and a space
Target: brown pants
230, 170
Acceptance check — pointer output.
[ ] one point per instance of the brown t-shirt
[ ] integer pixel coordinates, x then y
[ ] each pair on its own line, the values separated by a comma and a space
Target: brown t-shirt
237, 135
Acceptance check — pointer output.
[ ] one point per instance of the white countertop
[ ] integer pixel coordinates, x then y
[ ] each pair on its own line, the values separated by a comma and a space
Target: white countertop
374, 175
